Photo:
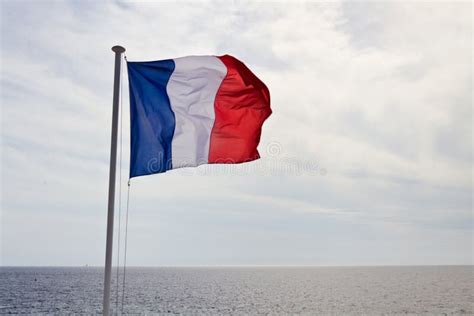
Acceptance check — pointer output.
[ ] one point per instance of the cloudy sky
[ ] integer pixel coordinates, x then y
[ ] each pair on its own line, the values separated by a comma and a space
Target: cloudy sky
366, 160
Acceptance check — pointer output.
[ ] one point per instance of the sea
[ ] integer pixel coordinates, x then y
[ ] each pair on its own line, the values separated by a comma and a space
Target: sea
430, 290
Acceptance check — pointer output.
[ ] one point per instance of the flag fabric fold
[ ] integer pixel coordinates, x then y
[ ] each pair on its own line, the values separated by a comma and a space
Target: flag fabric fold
194, 110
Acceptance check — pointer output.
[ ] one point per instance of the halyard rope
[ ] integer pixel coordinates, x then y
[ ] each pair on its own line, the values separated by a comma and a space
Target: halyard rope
125, 251
126, 232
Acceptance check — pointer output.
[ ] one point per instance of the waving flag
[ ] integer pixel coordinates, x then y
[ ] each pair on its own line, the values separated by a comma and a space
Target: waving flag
194, 110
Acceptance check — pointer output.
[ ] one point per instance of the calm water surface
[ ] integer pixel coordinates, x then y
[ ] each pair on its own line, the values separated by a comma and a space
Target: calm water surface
223, 291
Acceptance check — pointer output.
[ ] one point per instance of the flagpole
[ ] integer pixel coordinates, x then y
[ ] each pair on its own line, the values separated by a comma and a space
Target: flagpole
118, 50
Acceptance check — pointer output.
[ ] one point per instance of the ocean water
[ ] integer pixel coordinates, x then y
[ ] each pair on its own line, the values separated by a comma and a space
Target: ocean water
244, 291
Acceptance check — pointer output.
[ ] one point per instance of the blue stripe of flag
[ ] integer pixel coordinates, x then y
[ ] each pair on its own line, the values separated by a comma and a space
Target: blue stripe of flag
151, 118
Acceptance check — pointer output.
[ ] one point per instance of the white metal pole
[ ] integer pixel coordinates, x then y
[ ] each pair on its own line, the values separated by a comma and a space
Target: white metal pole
118, 50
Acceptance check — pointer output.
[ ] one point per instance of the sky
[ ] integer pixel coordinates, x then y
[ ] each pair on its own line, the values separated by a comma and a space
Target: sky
366, 159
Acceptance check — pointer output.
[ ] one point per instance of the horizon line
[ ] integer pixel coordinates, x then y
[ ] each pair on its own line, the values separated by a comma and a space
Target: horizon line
243, 266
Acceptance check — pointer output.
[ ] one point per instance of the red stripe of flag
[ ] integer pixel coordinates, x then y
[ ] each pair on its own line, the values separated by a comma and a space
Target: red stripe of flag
241, 106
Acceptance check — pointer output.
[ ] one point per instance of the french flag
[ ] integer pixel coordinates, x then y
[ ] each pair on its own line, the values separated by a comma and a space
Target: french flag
194, 110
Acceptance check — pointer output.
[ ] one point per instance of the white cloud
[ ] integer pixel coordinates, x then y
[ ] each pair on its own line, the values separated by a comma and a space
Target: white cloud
379, 95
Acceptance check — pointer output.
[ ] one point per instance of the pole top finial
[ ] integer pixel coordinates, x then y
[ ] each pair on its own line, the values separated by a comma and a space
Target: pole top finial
118, 49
